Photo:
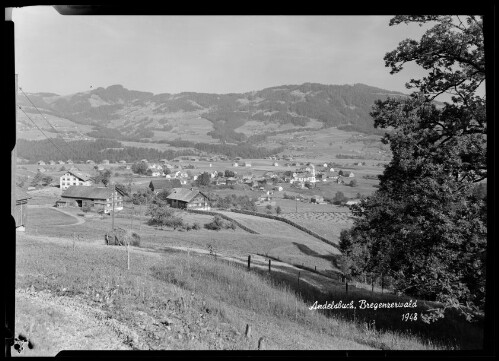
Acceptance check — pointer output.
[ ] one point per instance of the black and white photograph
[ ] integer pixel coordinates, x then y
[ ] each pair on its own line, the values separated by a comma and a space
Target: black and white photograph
249, 182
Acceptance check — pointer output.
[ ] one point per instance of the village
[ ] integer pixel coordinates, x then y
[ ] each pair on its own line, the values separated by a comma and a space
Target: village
269, 182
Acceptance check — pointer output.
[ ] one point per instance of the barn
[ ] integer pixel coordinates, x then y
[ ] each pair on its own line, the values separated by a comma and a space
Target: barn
157, 185
21, 209
188, 199
97, 198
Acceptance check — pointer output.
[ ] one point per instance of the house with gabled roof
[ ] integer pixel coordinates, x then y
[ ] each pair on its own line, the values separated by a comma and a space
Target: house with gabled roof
74, 178
186, 198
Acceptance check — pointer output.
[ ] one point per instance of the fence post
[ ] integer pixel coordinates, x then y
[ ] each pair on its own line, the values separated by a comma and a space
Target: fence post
248, 331
128, 255
249, 262
372, 284
269, 266
261, 343
74, 241
382, 285
298, 279
346, 287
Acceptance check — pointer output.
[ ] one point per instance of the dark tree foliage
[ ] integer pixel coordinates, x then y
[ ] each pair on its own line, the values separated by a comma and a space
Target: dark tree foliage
203, 179
143, 196
339, 198
163, 216
140, 168
83, 150
103, 177
426, 225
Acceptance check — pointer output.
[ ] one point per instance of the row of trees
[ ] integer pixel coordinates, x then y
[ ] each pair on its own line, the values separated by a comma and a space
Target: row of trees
82, 150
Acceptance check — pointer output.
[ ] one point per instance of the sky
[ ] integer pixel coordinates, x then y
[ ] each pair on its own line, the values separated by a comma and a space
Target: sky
210, 54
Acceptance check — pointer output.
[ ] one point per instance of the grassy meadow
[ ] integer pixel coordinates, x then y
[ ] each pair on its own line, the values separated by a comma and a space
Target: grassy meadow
272, 303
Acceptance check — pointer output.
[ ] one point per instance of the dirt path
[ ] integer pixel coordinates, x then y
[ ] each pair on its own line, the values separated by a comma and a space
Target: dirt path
66, 323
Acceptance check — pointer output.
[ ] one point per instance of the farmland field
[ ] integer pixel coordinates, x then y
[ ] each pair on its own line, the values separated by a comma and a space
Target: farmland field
276, 239
326, 224
39, 216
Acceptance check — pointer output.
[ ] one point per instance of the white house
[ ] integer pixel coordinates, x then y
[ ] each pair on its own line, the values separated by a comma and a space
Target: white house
73, 178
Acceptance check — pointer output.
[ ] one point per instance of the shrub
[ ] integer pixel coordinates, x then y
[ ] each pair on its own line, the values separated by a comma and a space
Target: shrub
196, 226
278, 210
219, 223
134, 239
164, 217
339, 198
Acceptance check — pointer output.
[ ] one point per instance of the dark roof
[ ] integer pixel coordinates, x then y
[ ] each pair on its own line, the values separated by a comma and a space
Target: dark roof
184, 194
20, 194
83, 176
157, 184
87, 192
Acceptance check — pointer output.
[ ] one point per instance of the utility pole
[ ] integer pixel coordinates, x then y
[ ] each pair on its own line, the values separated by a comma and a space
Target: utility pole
114, 191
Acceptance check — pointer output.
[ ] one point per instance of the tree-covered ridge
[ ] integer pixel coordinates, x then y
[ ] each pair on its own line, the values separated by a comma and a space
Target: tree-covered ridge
114, 151
333, 105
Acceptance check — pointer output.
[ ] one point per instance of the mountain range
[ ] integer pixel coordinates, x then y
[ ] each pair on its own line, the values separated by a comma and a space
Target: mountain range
118, 113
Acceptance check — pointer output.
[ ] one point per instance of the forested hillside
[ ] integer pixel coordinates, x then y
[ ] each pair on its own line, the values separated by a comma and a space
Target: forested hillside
118, 113
114, 151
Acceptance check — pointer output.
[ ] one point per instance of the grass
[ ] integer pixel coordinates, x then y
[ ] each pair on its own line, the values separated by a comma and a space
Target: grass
230, 291
40, 216
327, 224
232, 295
294, 247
